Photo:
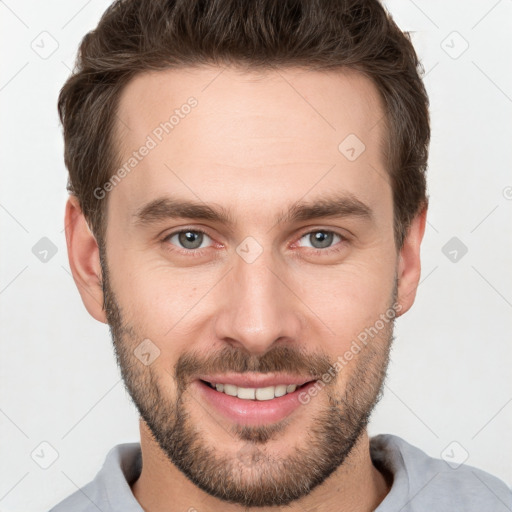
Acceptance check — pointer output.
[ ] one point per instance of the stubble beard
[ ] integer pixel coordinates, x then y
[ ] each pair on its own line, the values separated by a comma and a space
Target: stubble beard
252, 477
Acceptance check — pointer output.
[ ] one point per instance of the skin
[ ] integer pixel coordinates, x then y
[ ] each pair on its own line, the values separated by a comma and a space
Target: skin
256, 143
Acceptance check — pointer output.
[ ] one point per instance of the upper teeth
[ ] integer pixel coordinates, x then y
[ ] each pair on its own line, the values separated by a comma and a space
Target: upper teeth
267, 393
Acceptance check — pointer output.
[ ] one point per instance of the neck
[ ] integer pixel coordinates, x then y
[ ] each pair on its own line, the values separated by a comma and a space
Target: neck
356, 486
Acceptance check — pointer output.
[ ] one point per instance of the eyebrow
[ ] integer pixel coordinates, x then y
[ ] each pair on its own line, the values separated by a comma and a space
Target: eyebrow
171, 208
345, 205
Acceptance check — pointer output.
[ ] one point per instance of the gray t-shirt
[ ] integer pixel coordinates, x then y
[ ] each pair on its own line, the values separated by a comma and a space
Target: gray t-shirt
420, 483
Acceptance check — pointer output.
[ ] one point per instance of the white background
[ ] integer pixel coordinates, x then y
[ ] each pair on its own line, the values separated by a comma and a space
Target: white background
449, 379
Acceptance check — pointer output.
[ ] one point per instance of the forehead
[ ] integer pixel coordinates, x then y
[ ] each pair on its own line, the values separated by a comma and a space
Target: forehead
223, 133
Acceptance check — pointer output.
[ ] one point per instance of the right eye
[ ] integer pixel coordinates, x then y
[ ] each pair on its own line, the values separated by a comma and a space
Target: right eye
189, 239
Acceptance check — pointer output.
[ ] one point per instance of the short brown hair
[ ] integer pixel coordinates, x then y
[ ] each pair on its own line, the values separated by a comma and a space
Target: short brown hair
134, 36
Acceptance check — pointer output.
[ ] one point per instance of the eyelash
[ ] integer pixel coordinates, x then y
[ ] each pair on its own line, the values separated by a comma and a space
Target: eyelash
338, 246
199, 252
187, 252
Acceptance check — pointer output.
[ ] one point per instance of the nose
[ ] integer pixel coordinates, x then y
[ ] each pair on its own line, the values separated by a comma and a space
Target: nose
258, 307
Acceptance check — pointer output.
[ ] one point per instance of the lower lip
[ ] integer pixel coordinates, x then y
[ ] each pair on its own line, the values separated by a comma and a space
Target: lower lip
252, 412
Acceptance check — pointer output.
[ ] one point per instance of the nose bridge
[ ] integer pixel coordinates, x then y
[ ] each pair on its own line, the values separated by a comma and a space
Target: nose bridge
258, 309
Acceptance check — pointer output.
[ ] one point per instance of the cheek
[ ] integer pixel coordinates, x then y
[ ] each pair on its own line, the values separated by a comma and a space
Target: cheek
345, 300
174, 307
160, 302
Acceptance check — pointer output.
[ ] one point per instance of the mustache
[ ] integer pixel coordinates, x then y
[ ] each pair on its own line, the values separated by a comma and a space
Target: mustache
279, 359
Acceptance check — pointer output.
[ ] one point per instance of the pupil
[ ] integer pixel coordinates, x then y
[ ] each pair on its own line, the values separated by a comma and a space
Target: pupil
190, 239
321, 239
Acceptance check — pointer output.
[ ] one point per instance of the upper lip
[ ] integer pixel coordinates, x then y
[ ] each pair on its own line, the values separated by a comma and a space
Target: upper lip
255, 380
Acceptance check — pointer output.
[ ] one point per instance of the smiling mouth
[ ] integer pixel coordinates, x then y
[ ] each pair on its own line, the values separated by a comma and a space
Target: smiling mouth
259, 394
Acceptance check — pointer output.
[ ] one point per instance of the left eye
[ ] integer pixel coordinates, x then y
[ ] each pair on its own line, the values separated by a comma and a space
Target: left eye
190, 239
321, 239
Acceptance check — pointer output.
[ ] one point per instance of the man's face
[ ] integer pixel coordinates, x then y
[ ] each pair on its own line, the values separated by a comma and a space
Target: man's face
289, 258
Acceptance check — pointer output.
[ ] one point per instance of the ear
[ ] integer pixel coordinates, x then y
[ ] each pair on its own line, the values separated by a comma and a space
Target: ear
84, 259
409, 263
